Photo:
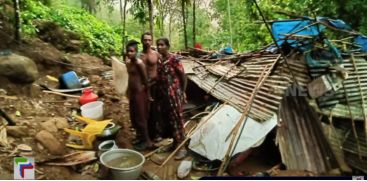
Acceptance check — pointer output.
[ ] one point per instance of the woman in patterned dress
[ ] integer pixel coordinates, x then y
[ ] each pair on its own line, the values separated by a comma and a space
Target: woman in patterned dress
172, 85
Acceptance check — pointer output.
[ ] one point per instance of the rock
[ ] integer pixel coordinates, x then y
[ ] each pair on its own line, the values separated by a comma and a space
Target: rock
18, 69
61, 123
50, 142
17, 131
55, 123
49, 126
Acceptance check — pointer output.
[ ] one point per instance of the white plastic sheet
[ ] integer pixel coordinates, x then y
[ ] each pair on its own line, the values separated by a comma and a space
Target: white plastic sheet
209, 140
120, 76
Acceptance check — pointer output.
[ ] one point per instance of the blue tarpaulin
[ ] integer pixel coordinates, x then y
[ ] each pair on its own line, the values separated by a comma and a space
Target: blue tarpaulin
361, 41
280, 28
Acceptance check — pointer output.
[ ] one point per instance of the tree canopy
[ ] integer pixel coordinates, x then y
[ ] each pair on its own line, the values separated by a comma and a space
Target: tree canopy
217, 22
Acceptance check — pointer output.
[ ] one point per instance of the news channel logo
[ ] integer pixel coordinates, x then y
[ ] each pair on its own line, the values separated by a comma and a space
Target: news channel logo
24, 168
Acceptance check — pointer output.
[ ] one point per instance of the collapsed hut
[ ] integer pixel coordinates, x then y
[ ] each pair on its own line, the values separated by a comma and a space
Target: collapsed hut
316, 88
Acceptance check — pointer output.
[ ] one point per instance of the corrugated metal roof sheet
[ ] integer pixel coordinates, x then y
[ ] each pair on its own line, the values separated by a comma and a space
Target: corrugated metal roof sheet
238, 82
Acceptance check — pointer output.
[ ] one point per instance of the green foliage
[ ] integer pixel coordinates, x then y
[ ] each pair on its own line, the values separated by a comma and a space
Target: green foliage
98, 37
212, 21
249, 33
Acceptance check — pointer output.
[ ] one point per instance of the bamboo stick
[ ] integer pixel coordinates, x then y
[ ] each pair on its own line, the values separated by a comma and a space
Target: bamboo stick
242, 121
61, 94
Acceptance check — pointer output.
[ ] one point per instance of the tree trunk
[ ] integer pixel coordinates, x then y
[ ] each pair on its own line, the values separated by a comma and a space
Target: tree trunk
170, 27
193, 23
17, 20
122, 23
150, 7
184, 21
162, 23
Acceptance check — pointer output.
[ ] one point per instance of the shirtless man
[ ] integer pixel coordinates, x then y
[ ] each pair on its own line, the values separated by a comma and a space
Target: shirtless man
151, 59
138, 94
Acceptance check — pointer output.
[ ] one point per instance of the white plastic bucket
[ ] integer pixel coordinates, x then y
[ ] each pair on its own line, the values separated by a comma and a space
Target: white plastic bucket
93, 110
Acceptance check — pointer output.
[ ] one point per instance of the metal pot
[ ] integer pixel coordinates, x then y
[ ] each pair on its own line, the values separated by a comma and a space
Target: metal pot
105, 146
109, 132
131, 173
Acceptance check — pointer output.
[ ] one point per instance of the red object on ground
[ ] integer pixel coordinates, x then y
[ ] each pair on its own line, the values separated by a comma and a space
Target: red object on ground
198, 46
87, 96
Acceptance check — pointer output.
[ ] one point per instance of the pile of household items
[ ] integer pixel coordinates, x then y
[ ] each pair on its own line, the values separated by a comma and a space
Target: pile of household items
94, 130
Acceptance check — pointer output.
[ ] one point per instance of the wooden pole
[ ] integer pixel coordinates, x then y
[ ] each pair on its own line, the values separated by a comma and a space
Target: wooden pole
353, 122
241, 121
362, 96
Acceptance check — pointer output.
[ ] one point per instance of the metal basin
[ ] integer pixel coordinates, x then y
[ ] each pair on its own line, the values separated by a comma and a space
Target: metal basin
124, 164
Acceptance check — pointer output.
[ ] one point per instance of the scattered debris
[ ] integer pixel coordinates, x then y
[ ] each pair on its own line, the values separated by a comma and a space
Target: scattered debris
3, 137
157, 159
184, 169
18, 114
72, 159
24, 147
17, 131
149, 175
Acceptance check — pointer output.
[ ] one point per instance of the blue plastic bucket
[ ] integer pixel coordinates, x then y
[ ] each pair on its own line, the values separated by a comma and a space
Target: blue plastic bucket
69, 80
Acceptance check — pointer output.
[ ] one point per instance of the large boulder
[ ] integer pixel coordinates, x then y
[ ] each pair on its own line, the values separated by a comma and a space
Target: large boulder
18, 69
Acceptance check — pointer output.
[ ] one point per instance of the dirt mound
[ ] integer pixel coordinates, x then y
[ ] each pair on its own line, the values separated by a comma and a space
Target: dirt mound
62, 39
47, 57
86, 65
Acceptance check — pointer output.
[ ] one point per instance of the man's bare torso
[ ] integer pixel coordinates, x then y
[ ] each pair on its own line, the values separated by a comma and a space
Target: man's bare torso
151, 59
